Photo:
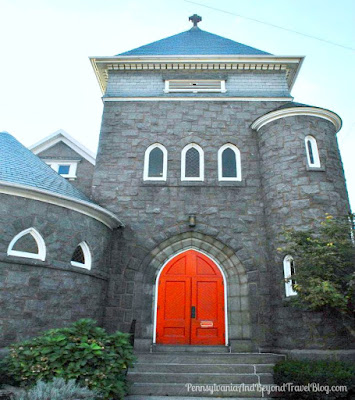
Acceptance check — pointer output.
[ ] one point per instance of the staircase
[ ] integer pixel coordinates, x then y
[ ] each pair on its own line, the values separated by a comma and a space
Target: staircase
176, 370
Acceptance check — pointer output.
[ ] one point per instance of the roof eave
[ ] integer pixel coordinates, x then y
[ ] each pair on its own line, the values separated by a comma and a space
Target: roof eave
84, 207
101, 65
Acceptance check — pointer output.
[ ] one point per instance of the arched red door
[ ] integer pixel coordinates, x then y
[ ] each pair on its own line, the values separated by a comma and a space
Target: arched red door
190, 301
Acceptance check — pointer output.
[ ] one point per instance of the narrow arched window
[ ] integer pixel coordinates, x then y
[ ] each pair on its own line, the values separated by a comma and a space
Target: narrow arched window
289, 272
155, 163
81, 256
229, 165
192, 163
312, 152
29, 244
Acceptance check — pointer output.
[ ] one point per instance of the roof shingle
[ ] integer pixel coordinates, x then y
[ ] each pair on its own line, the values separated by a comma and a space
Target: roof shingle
194, 42
19, 165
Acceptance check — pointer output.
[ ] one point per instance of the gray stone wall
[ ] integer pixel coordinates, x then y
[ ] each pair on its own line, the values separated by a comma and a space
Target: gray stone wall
297, 196
37, 295
85, 169
238, 83
229, 214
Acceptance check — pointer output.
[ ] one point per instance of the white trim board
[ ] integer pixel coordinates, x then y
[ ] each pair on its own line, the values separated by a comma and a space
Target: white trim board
92, 210
62, 136
155, 300
107, 99
293, 111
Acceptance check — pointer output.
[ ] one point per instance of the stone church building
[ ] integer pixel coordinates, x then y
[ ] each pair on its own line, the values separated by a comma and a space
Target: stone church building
203, 159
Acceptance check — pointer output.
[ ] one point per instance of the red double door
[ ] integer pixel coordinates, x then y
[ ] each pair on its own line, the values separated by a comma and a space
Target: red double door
191, 301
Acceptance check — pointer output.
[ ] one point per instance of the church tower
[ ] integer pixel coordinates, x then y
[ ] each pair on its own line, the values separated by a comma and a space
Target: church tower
205, 157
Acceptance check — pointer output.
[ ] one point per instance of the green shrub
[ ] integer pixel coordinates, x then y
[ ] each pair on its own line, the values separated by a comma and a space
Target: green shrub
83, 352
58, 389
324, 373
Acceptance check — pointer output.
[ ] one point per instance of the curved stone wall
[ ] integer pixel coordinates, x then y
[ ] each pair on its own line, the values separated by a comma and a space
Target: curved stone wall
37, 295
296, 195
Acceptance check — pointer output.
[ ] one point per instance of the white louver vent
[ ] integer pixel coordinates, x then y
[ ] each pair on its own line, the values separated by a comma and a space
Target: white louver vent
195, 86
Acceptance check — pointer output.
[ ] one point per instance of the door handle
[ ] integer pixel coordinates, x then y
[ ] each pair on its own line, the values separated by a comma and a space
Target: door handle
193, 312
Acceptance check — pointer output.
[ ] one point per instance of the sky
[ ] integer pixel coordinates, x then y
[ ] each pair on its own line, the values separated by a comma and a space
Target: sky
47, 82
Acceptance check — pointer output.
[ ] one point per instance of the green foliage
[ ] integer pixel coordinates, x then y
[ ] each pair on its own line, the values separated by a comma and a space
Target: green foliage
324, 263
83, 352
325, 373
58, 389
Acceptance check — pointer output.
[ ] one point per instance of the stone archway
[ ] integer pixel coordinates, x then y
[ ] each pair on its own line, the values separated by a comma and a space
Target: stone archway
239, 325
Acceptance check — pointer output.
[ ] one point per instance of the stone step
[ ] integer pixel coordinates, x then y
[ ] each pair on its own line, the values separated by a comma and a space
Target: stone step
205, 378
138, 397
192, 358
181, 389
189, 349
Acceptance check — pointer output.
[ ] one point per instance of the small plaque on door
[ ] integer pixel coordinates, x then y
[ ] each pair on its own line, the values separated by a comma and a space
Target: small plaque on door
206, 324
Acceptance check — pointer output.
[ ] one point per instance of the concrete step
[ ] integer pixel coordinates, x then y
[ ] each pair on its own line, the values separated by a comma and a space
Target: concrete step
201, 358
189, 349
181, 389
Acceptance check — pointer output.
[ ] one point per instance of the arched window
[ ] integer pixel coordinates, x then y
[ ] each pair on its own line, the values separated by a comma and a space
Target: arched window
289, 272
81, 256
192, 163
312, 152
155, 163
229, 165
28, 243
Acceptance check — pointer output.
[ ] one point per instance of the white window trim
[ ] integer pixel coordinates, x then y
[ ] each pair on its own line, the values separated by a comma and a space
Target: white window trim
238, 163
87, 257
41, 255
314, 146
287, 275
168, 89
201, 177
146, 177
54, 164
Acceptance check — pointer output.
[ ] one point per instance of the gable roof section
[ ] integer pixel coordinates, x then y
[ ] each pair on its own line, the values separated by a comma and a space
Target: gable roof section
24, 174
20, 165
62, 136
194, 42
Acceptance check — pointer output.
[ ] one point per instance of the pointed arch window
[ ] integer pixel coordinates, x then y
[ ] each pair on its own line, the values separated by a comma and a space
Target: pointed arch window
229, 165
289, 272
81, 256
192, 163
28, 244
155, 163
312, 152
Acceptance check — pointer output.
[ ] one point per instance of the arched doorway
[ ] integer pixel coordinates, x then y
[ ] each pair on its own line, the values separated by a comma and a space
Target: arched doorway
191, 301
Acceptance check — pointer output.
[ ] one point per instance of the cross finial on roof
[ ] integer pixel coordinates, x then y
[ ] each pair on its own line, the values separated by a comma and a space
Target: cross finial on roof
195, 19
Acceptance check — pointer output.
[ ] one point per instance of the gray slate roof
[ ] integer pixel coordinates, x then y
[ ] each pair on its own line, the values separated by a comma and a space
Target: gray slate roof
194, 42
19, 165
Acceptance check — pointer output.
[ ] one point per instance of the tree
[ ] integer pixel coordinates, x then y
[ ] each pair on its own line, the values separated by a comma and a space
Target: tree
324, 261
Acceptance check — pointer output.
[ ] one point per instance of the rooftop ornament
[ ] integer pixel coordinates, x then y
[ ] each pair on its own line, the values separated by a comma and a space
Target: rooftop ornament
195, 19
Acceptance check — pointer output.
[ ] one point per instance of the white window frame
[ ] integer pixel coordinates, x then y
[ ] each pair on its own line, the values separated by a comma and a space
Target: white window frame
201, 177
196, 89
41, 255
55, 164
289, 291
87, 256
315, 151
146, 177
237, 159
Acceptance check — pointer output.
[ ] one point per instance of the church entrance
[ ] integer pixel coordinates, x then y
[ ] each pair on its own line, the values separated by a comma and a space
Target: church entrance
190, 305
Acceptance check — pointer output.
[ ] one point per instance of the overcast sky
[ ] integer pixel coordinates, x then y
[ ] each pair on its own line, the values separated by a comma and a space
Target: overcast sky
47, 83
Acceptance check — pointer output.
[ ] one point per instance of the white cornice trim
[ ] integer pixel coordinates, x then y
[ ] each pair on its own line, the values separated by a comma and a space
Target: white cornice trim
62, 136
291, 112
92, 210
108, 99
290, 64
